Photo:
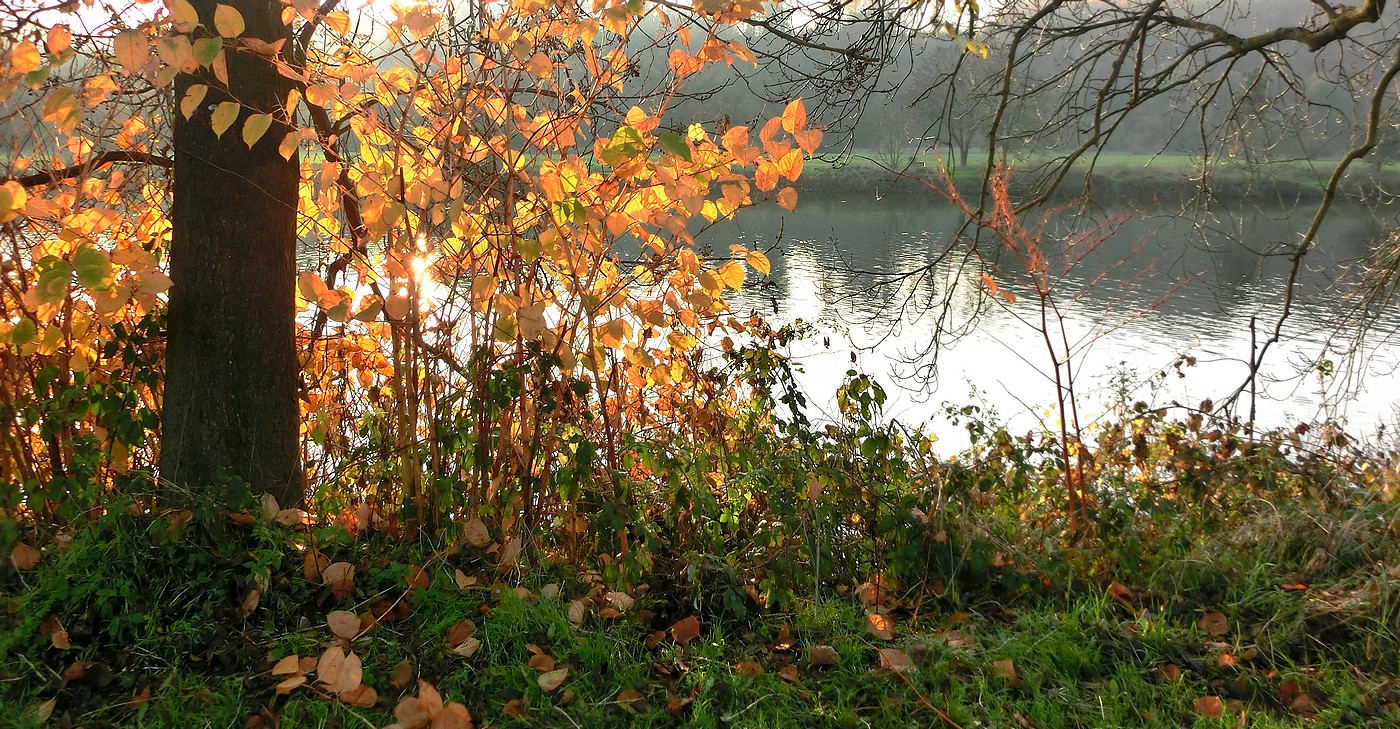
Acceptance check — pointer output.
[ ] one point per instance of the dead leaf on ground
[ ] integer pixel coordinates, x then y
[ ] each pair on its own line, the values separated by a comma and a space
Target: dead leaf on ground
362, 696
686, 630
24, 557
287, 666
675, 703
338, 572
542, 662
895, 660
879, 626
789, 673
1210, 706
628, 697
748, 669
957, 639
467, 648
824, 655
464, 580
552, 680
416, 578
290, 684
620, 600
250, 603
1171, 672
339, 671
460, 631
476, 534
1005, 669
343, 624
1215, 624
510, 555
515, 708
577, 612
403, 673
313, 565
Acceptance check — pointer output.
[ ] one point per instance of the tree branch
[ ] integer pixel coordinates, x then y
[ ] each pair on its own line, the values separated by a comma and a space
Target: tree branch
51, 177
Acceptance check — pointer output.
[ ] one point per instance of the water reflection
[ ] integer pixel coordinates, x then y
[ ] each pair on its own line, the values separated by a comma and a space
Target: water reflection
1159, 288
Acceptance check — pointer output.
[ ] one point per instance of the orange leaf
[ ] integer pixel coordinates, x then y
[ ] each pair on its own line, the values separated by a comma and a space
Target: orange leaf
1215, 624
794, 116
748, 669
686, 630
879, 626
757, 261
362, 696
1210, 706
1006, 669
787, 200
24, 557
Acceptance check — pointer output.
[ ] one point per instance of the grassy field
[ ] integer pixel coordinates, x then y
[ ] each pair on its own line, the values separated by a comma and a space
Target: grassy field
1137, 178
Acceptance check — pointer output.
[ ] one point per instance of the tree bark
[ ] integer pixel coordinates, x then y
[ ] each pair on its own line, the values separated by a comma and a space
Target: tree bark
230, 405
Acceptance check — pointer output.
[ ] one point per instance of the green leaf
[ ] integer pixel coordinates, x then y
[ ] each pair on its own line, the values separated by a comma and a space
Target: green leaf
53, 281
94, 268
206, 50
225, 114
254, 127
23, 332
625, 144
675, 145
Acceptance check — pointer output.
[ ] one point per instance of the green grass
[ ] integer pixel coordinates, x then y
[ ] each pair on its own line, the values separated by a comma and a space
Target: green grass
1081, 657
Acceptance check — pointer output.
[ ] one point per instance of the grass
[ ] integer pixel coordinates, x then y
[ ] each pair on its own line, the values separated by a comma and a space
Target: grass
153, 616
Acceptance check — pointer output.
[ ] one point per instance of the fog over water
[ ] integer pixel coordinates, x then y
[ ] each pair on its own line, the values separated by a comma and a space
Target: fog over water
1158, 290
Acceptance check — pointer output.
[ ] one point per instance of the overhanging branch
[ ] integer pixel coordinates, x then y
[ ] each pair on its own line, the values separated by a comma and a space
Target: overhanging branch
51, 177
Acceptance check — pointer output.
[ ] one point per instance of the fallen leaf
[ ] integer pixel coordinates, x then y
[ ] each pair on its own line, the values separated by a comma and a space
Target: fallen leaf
290, 684
467, 648
313, 565
552, 680
464, 580
542, 662
686, 630
577, 612
628, 696
410, 713
824, 655
460, 631
338, 572
1171, 672
38, 714
788, 673
748, 669
453, 716
250, 603
476, 533
403, 673
362, 696
550, 591
1288, 690
417, 577
879, 626
1005, 669
1210, 706
515, 708
620, 600
343, 624
339, 671
675, 704
287, 666
1215, 624
510, 555
59, 639
958, 639
895, 660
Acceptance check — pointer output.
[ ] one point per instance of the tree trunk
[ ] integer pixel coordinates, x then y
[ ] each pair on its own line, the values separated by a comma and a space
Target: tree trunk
230, 405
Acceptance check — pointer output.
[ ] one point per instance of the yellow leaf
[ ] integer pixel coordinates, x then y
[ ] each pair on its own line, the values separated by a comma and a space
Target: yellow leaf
790, 165
288, 147
59, 39
758, 262
190, 101
794, 116
254, 127
225, 114
320, 94
787, 199
182, 15
132, 50
24, 57
338, 22
228, 21
12, 199
732, 274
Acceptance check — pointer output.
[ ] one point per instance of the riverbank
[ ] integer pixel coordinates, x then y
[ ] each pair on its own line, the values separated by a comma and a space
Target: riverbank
1115, 179
1224, 581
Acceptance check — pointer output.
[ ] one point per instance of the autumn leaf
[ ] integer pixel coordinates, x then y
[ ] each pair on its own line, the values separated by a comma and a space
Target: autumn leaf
686, 630
475, 532
896, 661
338, 671
552, 680
1005, 669
1215, 624
460, 631
133, 50
343, 624
794, 116
254, 127
879, 626
402, 675
289, 665
1210, 706
748, 669
823, 655
223, 117
24, 557
787, 199
228, 21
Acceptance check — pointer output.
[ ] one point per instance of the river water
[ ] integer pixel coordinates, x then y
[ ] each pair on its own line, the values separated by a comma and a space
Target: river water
1160, 311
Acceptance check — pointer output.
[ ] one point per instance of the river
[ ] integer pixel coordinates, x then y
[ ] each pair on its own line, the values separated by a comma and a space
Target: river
1161, 289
